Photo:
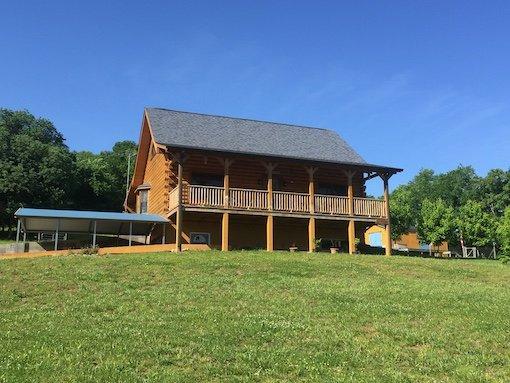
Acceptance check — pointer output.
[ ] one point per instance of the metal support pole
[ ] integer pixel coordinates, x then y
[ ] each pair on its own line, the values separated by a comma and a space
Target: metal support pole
56, 234
94, 235
18, 230
163, 240
130, 232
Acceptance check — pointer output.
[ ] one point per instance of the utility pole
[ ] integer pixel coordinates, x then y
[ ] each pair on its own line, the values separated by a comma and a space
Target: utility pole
129, 155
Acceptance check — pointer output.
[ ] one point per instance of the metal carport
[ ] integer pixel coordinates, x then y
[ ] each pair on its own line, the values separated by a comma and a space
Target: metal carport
91, 222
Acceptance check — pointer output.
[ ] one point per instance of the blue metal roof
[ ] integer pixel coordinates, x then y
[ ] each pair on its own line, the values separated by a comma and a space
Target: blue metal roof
89, 215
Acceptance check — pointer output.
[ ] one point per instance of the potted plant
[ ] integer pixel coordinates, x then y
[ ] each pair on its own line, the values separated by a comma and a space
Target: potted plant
335, 247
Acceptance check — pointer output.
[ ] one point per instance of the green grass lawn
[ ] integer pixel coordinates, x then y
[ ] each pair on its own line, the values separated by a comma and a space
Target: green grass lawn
4, 241
253, 316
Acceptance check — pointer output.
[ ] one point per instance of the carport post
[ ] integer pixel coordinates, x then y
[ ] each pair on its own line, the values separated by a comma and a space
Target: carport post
56, 235
163, 240
18, 230
94, 235
130, 231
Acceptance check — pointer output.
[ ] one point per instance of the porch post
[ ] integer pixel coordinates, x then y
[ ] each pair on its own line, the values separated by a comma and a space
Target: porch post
351, 230
56, 235
226, 192
311, 234
311, 203
270, 219
178, 227
385, 178
94, 235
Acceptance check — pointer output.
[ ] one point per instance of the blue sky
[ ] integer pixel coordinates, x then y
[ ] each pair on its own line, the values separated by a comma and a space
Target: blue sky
408, 84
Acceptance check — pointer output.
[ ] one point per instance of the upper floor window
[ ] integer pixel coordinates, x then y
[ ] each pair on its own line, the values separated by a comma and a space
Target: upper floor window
330, 189
144, 197
207, 179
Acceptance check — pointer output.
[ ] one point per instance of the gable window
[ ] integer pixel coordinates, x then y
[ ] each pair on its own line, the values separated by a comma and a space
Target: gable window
144, 199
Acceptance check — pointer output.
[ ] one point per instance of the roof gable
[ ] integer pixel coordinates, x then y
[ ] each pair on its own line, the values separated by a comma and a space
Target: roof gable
236, 135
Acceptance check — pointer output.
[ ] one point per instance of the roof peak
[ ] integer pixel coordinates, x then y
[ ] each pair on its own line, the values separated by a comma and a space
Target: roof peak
240, 118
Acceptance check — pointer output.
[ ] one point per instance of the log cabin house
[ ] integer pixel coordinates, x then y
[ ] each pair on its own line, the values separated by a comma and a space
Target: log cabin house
233, 183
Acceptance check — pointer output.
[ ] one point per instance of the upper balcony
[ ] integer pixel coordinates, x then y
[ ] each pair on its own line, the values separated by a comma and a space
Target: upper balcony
253, 200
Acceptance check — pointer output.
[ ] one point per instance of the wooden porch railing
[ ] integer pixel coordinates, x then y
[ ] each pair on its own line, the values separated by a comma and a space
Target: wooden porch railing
251, 199
291, 202
210, 196
331, 204
369, 207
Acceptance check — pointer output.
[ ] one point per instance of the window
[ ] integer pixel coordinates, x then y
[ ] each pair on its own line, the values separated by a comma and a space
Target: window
200, 238
144, 196
330, 189
207, 179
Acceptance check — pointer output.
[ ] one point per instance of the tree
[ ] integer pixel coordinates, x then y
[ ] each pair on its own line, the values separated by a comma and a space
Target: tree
476, 226
504, 232
104, 176
402, 218
494, 191
36, 167
438, 222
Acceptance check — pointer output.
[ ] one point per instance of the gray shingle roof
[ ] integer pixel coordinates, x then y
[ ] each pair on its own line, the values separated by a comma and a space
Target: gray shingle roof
237, 135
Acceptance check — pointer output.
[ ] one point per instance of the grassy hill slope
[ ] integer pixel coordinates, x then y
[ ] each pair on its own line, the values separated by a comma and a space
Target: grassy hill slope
253, 316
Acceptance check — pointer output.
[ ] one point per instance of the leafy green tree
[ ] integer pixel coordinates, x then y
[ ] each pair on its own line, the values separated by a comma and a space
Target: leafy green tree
36, 167
104, 176
476, 226
438, 222
455, 187
402, 218
504, 232
494, 191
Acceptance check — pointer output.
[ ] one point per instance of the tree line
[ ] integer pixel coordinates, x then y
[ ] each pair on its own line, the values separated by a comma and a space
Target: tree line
37, 169
457, 206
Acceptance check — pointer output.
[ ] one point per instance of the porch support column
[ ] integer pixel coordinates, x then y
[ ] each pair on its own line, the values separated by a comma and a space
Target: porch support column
385, 178
270, 218
351, 230
311, 202
270, 233
311, 234
179, 214
226, 216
